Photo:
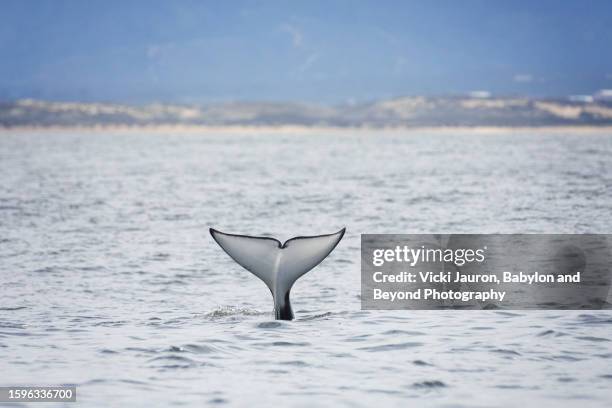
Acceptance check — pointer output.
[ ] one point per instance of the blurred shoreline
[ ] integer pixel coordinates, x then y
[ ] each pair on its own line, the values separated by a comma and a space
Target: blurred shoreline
405, 113
305, 130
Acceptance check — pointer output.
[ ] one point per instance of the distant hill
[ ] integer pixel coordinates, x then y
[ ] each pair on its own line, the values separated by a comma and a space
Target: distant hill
399, 112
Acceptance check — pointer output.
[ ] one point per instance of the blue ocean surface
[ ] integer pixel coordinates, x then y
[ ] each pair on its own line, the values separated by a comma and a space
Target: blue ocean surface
110, 280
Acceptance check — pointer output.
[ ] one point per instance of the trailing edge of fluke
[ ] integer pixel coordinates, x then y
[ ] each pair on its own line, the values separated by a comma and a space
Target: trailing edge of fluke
278, 265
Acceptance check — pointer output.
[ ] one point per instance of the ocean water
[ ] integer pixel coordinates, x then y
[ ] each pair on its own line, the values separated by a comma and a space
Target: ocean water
110, 280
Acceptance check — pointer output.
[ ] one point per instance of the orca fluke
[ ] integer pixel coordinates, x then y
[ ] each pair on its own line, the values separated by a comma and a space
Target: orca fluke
278, 265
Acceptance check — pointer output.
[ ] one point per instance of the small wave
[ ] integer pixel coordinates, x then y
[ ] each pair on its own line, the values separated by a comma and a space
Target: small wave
592, 338
218, 401
269, 325
429, 384
358, 338
173, 361
96, 381
131, 381
321, 316
192, 348
141, 350
173, 357
295, 363
509, 314
46, 269
167, 282
11, 325
404, 332
286, 344
383, 391
394, 346
111, 323
506, 352
594, 319
10, 309
277, 371
563, 358
232, 311
160, 256
551, 333
515, 387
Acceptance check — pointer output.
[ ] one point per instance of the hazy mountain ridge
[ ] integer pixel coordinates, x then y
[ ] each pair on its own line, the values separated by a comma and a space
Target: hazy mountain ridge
398, 112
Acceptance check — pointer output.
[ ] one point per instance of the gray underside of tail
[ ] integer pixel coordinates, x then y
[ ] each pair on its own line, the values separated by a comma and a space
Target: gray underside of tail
278, 265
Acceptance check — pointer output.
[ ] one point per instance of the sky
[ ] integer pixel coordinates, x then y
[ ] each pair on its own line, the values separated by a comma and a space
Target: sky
330, 51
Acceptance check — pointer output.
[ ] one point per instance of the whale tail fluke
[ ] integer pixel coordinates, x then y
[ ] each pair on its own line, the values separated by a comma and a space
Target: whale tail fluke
278, 265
